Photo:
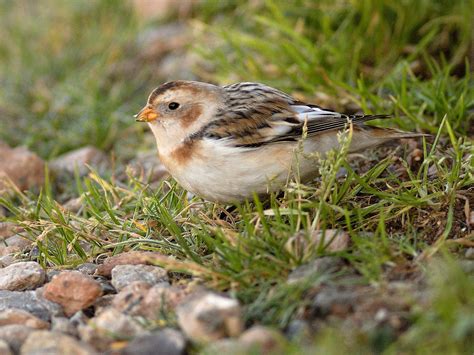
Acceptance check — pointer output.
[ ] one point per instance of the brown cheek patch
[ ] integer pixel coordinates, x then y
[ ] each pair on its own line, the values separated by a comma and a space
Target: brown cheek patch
191, 115
184, 152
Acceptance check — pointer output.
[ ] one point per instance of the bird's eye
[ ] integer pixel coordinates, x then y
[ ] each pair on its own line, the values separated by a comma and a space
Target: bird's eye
173, 105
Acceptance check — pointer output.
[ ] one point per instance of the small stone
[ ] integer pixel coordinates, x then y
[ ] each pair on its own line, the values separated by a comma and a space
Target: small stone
208, 316
21, 167
7, 260
331, 240
18, 316
5, 348
87, 268
63, 325
129, 299
115, 325
4, 251
79, 159
263, 339
299, 330
161, 297
72, 290
467, 266
8, 229
129, 258
18, 241
74, 205
103, 303
470, 253
15, 335
44, 342
21, 276
123, 275
319, 266
29, 301
164, 342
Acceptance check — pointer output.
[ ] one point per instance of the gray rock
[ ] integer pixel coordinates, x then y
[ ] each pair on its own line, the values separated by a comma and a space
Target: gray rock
29, 301
112, 322
470, 254
123, 275
87, 268
18, 241
21, 276
208, 316
467, 266
15, 335
164, 342
44, 342
63, 325
79, 159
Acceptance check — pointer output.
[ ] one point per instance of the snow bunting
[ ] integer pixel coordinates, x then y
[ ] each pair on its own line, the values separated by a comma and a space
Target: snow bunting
227, 143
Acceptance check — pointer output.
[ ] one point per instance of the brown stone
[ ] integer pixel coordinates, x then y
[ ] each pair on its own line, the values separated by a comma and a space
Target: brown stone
72, 290
18, 316
129, 258
21, 167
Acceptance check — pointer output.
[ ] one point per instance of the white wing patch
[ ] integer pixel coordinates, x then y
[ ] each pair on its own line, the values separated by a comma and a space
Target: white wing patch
309, 113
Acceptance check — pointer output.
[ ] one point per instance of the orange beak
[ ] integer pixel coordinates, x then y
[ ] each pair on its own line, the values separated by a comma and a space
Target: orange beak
147, 114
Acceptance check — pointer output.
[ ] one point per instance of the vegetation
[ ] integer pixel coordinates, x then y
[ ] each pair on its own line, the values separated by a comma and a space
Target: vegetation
406, 208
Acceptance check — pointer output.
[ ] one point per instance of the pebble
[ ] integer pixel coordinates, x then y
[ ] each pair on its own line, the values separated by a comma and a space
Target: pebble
19, 316
15, 335
29, 301
18, 241
79, 159
164, 342
470, 254
263, 339
123, 275
72, 290
130, 299
21, 276
63, 325
129, 258
112, 322
8, 229
44, 342
20, 166
208, 316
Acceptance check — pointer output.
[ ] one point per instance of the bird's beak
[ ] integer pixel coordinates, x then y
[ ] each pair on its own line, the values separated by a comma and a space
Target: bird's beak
147, 114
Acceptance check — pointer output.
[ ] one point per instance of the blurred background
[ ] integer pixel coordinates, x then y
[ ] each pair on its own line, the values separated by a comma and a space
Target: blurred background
73, 73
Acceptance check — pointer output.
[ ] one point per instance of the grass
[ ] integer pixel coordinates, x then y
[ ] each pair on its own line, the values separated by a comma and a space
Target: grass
402, 206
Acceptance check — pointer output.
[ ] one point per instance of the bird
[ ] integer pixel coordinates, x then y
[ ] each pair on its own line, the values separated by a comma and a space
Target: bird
228, 143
